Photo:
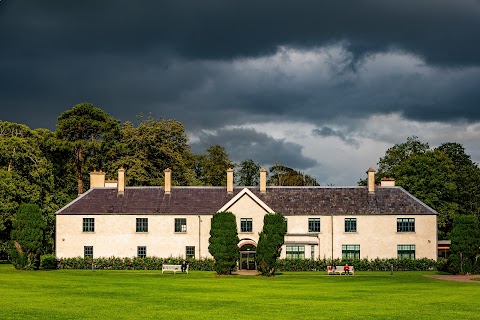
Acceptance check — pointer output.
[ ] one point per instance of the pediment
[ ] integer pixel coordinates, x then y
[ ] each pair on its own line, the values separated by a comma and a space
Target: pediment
246, 193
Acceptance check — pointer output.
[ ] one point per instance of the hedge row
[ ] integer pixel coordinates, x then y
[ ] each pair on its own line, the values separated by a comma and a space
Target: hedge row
363, 264
155, 263
148, 263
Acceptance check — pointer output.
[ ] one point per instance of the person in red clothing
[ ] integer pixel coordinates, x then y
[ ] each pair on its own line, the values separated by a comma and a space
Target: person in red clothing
346, 269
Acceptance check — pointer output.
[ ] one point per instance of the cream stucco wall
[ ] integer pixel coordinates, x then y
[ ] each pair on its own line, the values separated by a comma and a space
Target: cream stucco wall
115, 235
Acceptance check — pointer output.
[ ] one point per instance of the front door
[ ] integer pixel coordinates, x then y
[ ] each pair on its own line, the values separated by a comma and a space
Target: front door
247, 257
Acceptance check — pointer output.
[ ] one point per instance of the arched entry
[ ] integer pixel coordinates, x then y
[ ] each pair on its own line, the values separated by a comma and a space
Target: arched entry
248, 251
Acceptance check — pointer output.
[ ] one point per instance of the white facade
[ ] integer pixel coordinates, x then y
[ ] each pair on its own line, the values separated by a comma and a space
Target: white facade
115, 234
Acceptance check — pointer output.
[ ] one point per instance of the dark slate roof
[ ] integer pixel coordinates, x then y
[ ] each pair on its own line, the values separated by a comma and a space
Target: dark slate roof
285, 200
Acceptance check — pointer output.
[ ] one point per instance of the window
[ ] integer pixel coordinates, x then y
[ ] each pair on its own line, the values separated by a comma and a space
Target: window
406, 251
313, 224
88, 251
405, 225
295, 252
190, 251
350, 251
88, 224
350, 224
312, 252
181, 225
142, 224
246, 225
286, 224
141, 251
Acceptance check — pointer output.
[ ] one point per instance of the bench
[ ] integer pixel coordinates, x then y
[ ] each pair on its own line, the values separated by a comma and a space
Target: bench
340, 270
173, 267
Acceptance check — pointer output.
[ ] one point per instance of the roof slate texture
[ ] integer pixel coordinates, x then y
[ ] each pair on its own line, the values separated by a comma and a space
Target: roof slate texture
284, 200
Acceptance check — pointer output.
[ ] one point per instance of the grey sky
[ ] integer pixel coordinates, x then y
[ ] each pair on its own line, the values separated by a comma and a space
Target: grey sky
322, 86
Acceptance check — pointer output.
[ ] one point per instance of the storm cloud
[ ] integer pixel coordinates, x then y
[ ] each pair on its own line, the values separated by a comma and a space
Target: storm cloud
238, 72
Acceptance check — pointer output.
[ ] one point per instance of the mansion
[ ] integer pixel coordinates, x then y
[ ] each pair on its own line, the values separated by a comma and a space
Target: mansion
112, 219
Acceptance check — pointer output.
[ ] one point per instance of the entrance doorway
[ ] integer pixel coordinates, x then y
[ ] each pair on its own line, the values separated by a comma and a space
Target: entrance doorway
247, 257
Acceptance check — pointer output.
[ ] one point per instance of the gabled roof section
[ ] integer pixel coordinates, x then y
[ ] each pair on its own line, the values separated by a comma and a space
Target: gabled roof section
284, 200
248, 193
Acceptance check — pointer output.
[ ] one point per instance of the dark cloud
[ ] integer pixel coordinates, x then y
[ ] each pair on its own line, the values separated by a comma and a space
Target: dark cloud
242, 144
329, 132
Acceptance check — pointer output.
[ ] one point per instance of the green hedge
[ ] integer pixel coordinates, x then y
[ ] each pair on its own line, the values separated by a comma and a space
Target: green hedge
363, 264
154, 263
48, 261
148, 263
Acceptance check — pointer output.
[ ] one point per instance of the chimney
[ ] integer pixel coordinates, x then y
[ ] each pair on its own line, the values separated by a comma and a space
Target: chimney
263, 180
229, 180
111, 183
168, 180
97, 179
371, 180
121, 181
387, 182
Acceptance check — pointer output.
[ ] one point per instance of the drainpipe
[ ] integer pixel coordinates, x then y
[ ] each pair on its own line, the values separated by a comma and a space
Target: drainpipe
332, 234
199, 237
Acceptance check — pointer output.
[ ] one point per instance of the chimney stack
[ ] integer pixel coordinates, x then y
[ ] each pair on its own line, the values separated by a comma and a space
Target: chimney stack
97, 179
263, 180
371, 180
229, 180
168, 180
121, 181
387, 182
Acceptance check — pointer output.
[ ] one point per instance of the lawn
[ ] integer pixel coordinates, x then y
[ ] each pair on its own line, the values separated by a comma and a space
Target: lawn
83, 294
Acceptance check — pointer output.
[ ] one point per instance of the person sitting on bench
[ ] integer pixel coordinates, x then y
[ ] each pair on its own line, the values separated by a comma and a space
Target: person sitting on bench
184, 266
346, 268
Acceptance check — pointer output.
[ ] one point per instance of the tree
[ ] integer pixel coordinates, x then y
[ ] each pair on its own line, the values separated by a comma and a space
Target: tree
153, 146
285, 176
399, 153
465, 237
270, 243
26, 175
89, 132
211, 167
248, 174
27, 237
431, 177
223, 242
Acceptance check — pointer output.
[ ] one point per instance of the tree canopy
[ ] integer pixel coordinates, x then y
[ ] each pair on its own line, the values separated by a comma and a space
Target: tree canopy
223, 242
270, 243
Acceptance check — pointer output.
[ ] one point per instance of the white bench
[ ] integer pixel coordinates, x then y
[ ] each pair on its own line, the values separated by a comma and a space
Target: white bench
340, 270
173, 267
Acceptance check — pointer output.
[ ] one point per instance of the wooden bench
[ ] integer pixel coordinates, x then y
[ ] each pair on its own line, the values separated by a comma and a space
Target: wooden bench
173, 267
340, 270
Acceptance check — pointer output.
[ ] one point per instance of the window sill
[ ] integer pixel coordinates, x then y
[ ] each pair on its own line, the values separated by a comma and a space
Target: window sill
180, 232
350, 232
400, 232
246, 232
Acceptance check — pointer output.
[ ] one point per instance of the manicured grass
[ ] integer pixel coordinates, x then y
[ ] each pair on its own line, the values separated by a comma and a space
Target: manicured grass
83, 294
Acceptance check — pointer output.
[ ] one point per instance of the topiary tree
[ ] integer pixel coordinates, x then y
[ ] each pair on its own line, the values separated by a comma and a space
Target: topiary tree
223, 242
465, 237
27, 237
270, 243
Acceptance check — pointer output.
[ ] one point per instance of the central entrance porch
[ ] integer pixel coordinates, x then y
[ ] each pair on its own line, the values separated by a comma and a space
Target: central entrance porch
247, 257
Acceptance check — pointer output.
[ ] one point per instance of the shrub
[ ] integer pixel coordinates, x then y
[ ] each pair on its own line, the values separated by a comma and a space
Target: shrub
48, 261
270, 243
223, 242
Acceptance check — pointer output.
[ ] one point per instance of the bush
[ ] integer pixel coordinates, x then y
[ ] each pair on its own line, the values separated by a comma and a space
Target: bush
147, 263
48, 261
223, 242
270, 243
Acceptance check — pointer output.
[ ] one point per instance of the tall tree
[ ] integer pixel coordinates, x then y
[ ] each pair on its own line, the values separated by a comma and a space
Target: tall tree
26, 175
248, 173
270, 243
211, 167
27, 237
89, 131
285, 176
465, 239
154, 146
223, 242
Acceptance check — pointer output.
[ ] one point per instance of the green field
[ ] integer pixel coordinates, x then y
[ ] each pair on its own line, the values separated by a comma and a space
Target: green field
83, 294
